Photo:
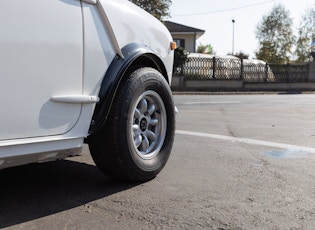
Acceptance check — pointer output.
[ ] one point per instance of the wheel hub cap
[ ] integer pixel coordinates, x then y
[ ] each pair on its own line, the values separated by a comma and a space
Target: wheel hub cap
149, 124
143, 124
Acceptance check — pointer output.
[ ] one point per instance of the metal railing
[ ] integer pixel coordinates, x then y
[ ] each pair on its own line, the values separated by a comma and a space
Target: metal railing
290, 72
255, 71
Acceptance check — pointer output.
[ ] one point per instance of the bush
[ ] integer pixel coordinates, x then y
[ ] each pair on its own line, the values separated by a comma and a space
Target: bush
180, 58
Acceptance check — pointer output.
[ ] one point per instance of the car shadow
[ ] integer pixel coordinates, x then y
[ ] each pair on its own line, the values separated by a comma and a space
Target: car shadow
38, 190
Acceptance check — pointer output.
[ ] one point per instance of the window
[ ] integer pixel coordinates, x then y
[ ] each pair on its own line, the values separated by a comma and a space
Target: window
180, 42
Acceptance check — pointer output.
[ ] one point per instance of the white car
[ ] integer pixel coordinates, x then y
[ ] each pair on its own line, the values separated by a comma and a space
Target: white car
92, 70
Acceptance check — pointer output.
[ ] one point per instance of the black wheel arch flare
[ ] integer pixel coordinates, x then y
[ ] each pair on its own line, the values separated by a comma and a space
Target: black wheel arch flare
134, 55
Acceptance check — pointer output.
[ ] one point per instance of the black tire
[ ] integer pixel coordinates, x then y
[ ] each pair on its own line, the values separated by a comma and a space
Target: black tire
136, 140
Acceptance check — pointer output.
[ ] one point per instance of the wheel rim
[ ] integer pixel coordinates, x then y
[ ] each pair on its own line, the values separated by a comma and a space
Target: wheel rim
149, 124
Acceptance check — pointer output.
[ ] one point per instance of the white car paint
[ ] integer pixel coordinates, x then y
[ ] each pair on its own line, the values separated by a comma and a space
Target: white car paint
148, 33
53, 58
31, 38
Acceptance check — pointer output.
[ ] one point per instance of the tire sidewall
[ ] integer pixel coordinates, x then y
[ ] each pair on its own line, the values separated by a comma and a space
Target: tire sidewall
141, 81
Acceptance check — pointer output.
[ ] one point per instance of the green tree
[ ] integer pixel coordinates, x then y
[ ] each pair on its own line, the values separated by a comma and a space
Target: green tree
242, 55
158, 8
205, 49
306, 35
275, 36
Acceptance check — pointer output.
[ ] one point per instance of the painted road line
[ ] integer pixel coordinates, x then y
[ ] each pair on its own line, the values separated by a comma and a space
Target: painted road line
212, 102
247, 141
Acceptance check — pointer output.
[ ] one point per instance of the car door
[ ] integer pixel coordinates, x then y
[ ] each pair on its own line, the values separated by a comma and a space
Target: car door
41, 52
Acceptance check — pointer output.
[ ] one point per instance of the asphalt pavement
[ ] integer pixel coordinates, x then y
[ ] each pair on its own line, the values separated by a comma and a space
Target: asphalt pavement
238, 162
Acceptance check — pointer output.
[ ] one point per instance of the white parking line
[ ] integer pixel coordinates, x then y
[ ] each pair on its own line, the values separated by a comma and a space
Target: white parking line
211, 102
247, 141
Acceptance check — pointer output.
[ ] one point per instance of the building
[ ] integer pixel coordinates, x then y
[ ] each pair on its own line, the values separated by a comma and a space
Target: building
184, 36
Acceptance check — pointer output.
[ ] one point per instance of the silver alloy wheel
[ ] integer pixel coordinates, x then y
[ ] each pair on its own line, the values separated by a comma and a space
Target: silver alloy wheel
149, 124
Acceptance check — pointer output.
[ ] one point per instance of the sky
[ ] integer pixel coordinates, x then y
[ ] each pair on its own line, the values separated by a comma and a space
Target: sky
215, 17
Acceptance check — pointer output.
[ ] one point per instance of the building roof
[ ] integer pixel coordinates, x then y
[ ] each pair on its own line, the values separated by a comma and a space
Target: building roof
178, 28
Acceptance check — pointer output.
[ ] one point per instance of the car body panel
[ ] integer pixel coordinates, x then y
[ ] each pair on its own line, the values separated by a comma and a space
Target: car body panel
140, 28
41, 56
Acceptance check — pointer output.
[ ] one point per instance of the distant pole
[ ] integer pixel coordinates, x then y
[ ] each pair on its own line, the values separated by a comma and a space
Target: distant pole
233, 21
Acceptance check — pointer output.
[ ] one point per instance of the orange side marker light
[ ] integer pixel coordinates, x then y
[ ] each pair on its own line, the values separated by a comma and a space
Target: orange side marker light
173, 45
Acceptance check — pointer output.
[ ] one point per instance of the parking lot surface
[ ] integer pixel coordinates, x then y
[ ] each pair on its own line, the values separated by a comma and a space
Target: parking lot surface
238, 162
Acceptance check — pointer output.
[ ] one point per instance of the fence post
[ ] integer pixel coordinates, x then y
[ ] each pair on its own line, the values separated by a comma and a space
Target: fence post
288, 72
242, 68
213, 60
266, 71
311, 71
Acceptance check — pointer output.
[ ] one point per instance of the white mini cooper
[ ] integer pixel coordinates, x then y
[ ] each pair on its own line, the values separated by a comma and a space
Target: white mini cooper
92, 70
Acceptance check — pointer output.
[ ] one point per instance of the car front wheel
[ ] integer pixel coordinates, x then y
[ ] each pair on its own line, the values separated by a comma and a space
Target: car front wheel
137, 138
